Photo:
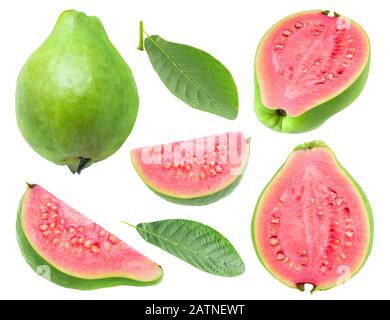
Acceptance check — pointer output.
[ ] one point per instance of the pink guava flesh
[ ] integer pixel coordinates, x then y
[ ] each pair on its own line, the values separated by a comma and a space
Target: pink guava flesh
311, 224
193, 168
77, 246
309, 58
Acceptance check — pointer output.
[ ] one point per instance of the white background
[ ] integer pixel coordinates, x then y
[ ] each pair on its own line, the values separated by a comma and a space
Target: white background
110, 191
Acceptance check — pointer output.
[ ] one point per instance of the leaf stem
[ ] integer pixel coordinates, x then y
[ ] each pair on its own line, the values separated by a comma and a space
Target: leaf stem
141, 36
129, 224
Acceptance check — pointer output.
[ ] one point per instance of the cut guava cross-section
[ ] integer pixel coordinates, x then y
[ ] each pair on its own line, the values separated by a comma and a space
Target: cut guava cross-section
194, 172
305, 61
312, 57
312, 223
76, 252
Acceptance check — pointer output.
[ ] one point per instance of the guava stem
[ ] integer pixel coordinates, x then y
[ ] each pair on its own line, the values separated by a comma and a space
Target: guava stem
331, 13
77, 164
281, 112
141, 36
30, 185
82, 164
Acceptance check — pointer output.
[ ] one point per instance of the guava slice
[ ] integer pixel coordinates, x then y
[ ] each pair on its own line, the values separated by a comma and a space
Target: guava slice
194, 172
308, 67
312, 223
72, 251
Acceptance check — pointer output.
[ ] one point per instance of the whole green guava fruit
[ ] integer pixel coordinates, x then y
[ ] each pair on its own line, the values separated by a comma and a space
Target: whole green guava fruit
76, 98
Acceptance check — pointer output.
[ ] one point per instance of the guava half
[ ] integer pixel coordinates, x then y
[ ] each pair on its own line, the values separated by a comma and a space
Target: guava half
70, 250
308, 67
312, 223
194, 172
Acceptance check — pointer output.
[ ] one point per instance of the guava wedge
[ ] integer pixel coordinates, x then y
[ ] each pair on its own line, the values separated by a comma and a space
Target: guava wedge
76, 98
312, 223
308, 67
194, 172
70, 250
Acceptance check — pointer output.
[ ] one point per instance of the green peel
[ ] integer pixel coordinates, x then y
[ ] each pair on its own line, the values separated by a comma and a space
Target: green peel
76, 97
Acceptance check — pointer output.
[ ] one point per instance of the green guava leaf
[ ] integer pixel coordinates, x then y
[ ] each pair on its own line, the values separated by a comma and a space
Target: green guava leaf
196, 244
194, 76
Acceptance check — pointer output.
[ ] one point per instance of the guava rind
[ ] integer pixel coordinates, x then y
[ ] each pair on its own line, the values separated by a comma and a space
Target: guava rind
36, 262
317, 115
76, 98
202, 200
363, 196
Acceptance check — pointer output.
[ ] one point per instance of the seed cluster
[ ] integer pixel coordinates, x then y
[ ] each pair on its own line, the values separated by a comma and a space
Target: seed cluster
340, 231
198, 166
57, 230
340, 59
323, 69
329, 209
316, 27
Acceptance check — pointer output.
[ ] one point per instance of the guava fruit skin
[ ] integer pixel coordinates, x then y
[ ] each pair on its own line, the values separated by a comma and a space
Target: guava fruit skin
76, 97
305, 146
316, 116
198, 201
313, 118
35, 261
